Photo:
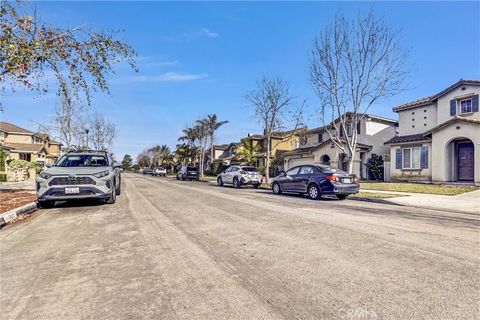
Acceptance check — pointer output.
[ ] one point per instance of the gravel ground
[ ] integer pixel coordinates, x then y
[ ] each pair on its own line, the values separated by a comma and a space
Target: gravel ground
11, 199
190, 250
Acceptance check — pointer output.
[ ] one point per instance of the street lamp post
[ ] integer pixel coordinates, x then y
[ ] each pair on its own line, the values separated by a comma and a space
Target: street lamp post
86, 137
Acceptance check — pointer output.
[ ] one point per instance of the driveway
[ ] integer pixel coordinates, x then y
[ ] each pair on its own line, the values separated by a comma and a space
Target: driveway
189, 250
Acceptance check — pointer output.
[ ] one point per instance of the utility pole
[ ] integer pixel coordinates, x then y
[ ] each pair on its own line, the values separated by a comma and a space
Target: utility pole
86, 137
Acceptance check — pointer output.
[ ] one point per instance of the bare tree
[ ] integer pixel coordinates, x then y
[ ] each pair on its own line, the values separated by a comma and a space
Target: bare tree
143, 160
354, 64
67, 122
271, 102
101, 131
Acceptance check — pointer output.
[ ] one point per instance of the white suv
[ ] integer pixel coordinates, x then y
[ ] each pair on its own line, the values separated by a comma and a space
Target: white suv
79, 175
240, 175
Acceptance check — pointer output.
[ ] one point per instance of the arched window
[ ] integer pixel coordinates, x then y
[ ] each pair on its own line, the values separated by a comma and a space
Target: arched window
325, 159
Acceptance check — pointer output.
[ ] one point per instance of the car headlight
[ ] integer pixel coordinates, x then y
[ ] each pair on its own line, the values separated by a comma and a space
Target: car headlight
44, 175
102, 174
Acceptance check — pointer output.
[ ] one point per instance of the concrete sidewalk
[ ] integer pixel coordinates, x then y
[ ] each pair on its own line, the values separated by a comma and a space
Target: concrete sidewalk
24, 185
466, 202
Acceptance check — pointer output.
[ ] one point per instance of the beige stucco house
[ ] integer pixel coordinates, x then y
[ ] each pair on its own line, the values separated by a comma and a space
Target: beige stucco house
316, 147
280, 142
22, 144
439, 137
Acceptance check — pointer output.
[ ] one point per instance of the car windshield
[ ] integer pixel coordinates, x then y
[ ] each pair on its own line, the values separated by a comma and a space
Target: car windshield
192, 168
325, 168
82, 160
250, 169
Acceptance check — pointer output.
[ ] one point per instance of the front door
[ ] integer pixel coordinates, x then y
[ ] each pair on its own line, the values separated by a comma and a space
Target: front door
465, 161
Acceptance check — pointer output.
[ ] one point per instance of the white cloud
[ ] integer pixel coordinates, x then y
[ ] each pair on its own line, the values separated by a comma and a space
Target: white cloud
202, 33
170, 77
162, 63
208, 33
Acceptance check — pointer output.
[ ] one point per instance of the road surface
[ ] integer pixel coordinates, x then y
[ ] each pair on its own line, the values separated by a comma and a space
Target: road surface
190, 250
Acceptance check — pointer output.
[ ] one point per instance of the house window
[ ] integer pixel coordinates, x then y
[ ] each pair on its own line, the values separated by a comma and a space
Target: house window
411, 158
349, 129
359, 126
25, 156
37, 140
466, 106
320, 137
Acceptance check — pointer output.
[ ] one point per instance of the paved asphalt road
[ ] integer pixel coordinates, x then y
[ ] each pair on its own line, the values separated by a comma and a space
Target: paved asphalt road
190, 250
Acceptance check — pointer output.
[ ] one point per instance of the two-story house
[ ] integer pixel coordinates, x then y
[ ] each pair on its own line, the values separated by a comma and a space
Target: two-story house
26, 145
317, 147
439, 137
227, 152
280, 143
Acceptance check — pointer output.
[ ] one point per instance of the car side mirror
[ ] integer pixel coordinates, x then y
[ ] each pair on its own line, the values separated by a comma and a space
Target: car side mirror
117, 164
282, 174
48, 165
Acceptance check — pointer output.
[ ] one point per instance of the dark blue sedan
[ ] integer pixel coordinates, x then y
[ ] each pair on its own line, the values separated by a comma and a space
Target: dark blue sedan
315, 181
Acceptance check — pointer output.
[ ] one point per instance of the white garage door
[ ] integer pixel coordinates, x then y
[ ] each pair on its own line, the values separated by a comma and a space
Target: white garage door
299, 161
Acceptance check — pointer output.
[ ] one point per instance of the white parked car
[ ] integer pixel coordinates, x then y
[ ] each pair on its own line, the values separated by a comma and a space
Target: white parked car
238, 176
159, 172
79, 175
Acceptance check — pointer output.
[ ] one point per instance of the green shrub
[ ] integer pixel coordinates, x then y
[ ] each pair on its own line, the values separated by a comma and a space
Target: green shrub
20, 164
3, 177
216, 167
263, 170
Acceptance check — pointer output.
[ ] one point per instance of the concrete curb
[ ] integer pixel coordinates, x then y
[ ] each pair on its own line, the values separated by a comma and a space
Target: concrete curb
14, 213
375, 200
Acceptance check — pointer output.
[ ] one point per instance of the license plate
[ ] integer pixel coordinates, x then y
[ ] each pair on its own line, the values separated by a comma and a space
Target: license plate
74, 190
347, 180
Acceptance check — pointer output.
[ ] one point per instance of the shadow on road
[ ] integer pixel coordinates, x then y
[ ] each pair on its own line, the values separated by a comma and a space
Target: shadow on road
79, 203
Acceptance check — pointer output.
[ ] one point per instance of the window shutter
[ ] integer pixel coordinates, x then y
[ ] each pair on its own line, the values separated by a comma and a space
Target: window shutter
475, 103
359, 126
424, 158
453, 107
398, 158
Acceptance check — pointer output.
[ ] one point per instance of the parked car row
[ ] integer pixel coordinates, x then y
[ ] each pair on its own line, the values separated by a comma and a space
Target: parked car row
158, 171
312, 180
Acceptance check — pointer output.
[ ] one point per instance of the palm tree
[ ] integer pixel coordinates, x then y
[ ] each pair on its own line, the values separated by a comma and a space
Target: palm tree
164, 151
190, 136
185, 152
247, 153
213, 124
202, 128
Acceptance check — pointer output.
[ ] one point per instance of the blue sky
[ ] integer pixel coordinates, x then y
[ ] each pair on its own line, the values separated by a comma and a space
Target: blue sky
202, 57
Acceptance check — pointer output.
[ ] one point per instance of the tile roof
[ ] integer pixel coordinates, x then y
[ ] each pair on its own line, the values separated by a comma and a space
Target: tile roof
43, 136
433, 98
367, 116
452, 120
11, 128
221, 146
302, 150
408, 138
25, 147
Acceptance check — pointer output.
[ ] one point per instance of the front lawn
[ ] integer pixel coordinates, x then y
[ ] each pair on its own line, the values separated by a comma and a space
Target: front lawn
208, 179
417, 188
